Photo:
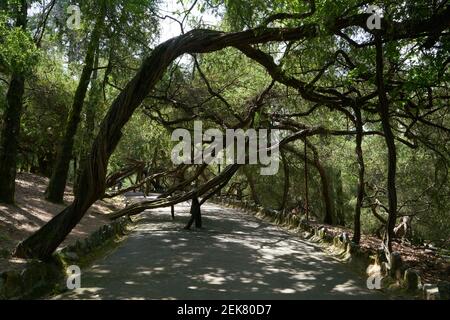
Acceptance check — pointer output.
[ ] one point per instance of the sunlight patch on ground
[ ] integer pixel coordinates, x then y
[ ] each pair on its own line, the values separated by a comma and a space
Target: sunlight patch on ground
145, 273
304, 275
100, 271
214, 279
347, 287
285, 291
234, 256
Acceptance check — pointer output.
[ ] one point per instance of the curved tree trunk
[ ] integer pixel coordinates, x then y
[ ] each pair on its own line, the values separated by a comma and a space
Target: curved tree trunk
11, 124
57, 184
43, 243
206, 191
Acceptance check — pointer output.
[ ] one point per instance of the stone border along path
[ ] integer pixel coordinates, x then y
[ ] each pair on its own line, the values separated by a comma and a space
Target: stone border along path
236, 256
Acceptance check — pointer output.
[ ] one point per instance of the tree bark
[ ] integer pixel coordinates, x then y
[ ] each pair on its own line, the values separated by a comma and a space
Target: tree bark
91, 108
57, 184
383, 110
252, 185
361, 169
340, 211
325, 186
11, 124
284, 200
9, 138
305, 155
328, 218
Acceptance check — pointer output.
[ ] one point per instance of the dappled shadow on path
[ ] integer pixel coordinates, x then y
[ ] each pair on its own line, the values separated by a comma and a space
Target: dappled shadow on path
235, 257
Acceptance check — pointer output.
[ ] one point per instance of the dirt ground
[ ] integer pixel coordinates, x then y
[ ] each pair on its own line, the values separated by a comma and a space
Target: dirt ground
31, 211
431, 266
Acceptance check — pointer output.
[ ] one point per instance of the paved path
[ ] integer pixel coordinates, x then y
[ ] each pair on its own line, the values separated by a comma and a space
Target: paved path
236, 256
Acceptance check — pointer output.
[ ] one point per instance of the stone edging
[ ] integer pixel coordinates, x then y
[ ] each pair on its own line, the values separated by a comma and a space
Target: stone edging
38, 279
395, 276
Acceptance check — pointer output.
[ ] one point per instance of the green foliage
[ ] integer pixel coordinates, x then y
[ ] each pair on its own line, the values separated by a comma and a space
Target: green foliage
44, 118
18, 52
414, 74
142, 140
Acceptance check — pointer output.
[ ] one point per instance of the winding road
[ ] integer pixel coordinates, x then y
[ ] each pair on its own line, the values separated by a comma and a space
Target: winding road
236, 256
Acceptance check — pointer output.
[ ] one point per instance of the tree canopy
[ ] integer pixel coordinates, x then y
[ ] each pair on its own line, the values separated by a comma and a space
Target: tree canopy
363, 112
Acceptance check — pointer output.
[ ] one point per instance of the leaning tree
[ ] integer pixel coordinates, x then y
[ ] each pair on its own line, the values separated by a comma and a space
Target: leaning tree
42, 244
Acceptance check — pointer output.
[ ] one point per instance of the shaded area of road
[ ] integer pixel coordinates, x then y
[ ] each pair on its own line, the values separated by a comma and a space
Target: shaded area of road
236, 256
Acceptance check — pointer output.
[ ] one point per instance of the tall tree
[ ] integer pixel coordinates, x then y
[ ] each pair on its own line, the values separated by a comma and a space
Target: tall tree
340, 214
11, 121
58, 180
91, 111
361, 169
285, 197
383, 110
326, 188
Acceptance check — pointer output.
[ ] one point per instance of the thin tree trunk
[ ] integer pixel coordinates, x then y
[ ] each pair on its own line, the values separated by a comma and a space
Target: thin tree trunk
383, 110
57, 184
9, 138
325, 186
305, 155
328, 219
360, 191
91, 108
11, 124
340, 213
252, 185
330, 172
284, 200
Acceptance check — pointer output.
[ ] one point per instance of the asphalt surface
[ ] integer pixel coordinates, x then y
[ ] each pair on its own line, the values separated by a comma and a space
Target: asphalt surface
235, 256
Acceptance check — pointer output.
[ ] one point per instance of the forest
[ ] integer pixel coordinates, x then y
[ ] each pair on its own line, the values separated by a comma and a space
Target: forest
350, 98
